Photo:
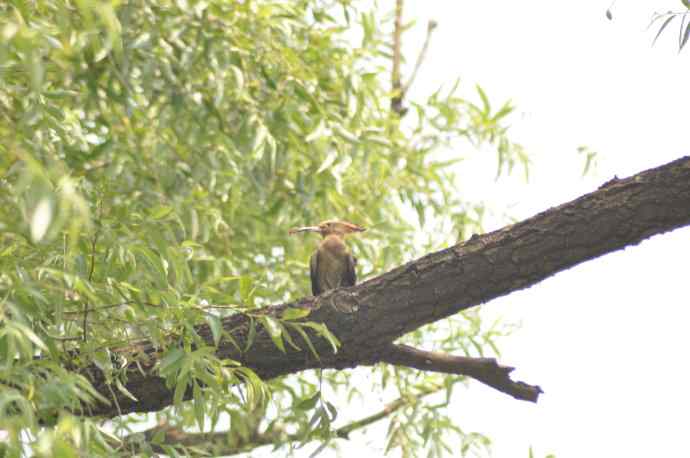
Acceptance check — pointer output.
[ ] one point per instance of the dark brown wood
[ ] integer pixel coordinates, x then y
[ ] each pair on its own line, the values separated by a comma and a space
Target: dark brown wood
486, 370
367, 318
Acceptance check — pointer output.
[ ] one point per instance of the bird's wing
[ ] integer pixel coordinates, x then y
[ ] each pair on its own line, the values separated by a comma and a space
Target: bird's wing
350, 277
314, 273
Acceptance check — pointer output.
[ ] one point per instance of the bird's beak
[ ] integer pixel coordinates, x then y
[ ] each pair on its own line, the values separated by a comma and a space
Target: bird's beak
354, 228
304, 229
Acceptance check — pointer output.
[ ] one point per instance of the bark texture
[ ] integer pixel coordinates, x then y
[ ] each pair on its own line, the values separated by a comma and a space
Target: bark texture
368, 317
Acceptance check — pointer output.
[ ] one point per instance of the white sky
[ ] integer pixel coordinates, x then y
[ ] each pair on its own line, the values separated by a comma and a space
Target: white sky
606, 340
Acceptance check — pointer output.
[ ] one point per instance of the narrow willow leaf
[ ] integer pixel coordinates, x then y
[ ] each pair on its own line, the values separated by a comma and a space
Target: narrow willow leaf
294, 313
317, 132
330, 159
288, 338
685, 36
663, 26
180, 390
199, 406
239, 78
309, 403
121, 388
275, 331
251, 335
171, 362
306, 339
216, 328
160, 212
485, 100
41, 219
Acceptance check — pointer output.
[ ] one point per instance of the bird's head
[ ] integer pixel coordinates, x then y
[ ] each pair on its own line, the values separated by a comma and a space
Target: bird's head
326, 228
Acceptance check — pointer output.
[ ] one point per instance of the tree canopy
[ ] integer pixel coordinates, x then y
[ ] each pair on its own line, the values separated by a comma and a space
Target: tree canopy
153, 157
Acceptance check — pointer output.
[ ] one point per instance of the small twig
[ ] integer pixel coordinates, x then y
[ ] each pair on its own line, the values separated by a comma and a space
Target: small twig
117, 404
64, 339
397, 98
174, 436
400, 90
94, 241
422, 54
403, 401
110, 306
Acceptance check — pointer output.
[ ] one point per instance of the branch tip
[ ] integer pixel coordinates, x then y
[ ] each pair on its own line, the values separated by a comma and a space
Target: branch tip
485, 370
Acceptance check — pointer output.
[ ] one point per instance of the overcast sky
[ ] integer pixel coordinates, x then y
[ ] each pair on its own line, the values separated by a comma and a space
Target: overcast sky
606, 340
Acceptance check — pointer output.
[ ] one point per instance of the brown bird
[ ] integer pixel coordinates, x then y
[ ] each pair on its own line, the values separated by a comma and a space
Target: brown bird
331, 266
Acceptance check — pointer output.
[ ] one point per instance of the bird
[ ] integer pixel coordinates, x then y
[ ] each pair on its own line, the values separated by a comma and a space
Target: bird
332, 265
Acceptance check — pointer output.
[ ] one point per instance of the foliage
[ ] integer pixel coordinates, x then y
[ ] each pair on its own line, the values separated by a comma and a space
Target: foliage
153, 156
666, 18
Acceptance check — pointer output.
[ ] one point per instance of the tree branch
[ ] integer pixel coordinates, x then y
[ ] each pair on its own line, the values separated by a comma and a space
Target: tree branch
397, 98
485, 370
368, 317
420, 58
227, 443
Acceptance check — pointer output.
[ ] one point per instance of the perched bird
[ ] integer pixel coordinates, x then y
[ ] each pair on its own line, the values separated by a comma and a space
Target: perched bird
331, 266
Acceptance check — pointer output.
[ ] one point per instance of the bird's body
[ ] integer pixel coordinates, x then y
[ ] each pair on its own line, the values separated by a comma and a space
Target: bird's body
331, 266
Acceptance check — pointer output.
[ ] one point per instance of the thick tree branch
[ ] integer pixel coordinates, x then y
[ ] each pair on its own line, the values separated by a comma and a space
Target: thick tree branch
367, 318
486, 370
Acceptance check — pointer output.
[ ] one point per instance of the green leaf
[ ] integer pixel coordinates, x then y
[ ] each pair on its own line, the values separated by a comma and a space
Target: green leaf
306, 339
288, 338
160, 212
239, 78
251, 335
216, 328
41, 219
171, 362
180, 390
485, 100
684, 37
332, 411
663, 26
316, 133
246, 290
275, 331
323, 331
330, 159
259, 141
294, 313
309, 403
121, 388
199, 406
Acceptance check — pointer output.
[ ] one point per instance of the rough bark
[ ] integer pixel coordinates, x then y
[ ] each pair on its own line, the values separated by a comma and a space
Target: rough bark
367, 318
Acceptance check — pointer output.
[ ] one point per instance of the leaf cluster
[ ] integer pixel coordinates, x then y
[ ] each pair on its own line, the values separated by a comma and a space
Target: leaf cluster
153, 156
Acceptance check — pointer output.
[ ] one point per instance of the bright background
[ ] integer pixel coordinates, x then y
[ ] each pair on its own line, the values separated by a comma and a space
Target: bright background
606, 340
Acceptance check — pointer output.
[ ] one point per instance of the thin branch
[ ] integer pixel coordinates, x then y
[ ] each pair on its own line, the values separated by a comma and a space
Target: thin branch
227, 443
94, 241
110, 306
344, 431
420, 58
397, 98
485, 370
64, 339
